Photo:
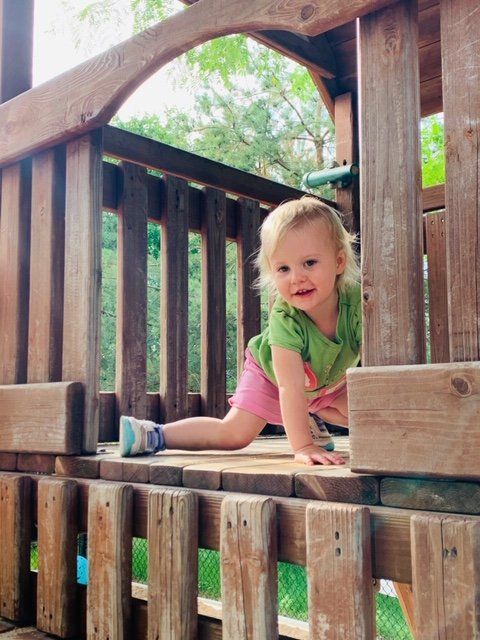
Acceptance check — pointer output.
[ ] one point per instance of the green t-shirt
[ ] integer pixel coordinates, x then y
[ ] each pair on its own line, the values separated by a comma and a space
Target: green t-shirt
325, 361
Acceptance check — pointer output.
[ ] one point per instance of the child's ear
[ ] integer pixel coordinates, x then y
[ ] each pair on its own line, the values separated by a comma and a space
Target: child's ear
341, 261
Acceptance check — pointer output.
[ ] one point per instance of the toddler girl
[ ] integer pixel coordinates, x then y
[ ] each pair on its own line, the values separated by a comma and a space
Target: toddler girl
295, 370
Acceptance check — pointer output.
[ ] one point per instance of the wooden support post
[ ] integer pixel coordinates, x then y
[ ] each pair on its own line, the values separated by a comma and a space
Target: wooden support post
174, 305
346, 152
81, 317
15, 523
446, 577
460, 26
339, 569
249, 568
172, 568
131, 349
213, 374
248, 224
57, 557
110, 561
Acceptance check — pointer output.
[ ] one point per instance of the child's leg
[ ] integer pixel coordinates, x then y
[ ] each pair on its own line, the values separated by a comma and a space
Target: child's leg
337, 412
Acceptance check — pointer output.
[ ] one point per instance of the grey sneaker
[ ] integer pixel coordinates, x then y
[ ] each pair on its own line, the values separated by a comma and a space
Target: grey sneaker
320, 433
140, 436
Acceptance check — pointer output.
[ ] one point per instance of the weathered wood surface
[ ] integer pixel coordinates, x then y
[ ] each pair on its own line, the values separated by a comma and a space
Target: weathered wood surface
405, 409
15, 523
435, 240
248, 563
446, 577
405, 597
57, 555
431, 495
460, 26
392, 252
36, 462
172, 569
337, 484
131, 343
8, 461
87, 96
346, 152
41, 418
81, 317
433, 198
110, 561
46, 267
339, 568
174, 302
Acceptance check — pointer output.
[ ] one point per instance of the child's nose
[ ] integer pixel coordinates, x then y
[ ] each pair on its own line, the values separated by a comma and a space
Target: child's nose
298, 274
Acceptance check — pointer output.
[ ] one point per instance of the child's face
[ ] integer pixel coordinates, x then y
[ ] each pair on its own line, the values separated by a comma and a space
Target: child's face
305, 266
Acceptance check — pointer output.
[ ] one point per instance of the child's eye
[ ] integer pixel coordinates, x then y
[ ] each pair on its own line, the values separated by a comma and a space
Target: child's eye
310, 263
283, 269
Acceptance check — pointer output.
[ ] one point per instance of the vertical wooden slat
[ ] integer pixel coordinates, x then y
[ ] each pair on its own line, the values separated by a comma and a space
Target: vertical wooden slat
131, 352
248, 223
110, 561
172, 568
339, 568
460, 26
435, 237
346, 152
174, 304
14, 271
213, 371
249, 568
391, 231
81, 317
446, 577
46, 267
16, 47
15, 523
57, 554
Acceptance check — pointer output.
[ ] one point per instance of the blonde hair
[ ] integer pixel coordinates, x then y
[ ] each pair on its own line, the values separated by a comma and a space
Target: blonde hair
294, 214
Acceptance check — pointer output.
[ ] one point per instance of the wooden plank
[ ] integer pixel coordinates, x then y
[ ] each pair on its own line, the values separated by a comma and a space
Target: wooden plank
435, 236
16, 47
405, 597
42, 418
86, 97
131, 347
81, 318
460, 25
346, 152
36, 463
450, 497
213, 325
416, 405
173, 560
174, 302
110, 561
80, 466
248, 304
433, 198
8, 461
339, 569
57, 557
446, 577
15, 523
46, 267
392, 251
126, 470
14, 268
337, 485
248, 565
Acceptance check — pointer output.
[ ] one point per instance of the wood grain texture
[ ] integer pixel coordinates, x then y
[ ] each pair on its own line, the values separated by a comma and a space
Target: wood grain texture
392, 276
41, 418
46, 267
213, 323
87, 96
172, 569
174, 302
131, 345
57, 557
81, 316
36, 462
404, 409
339, 569
446, 577
433, 198
16, 47
450, 497
8, 461
110, 561
337, 485
346, 152
435, 239
15, 523
14, 271
460, 25
248, 563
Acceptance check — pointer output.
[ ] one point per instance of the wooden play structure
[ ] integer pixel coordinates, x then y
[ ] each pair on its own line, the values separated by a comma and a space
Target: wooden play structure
407, 507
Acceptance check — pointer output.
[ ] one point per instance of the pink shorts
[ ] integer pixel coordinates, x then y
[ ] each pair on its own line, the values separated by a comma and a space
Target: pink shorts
258, 395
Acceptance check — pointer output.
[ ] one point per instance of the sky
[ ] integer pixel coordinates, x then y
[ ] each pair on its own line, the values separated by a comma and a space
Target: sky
55, 33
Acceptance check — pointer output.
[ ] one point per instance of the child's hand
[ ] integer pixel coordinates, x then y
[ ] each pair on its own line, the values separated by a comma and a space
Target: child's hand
312, 454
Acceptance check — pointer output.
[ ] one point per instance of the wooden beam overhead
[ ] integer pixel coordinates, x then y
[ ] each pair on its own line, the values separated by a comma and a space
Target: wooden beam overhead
87, 96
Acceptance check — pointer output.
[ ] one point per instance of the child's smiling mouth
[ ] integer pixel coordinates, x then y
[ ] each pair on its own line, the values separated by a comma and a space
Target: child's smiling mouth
304, 292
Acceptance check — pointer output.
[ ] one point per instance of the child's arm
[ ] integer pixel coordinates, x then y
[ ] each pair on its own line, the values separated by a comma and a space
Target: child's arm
290, 377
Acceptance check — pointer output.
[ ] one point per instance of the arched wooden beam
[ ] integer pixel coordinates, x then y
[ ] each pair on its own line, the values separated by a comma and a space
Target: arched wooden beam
87, 96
